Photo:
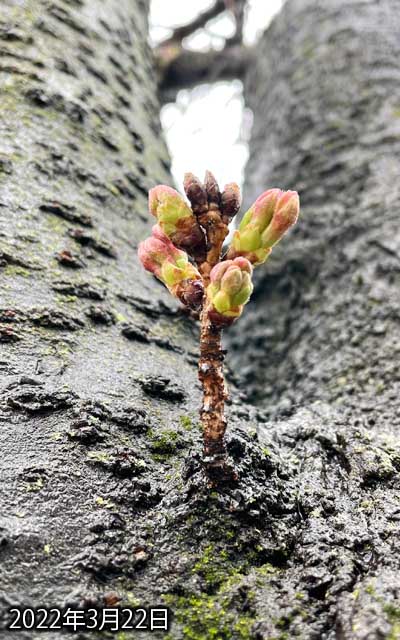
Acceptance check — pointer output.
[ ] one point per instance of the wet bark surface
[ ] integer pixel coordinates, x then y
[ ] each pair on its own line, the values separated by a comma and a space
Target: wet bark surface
101, 484
322, 334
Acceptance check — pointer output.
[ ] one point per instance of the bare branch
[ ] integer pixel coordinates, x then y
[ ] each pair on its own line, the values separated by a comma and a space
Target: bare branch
179, 68
237, 7
200, 21
190, 68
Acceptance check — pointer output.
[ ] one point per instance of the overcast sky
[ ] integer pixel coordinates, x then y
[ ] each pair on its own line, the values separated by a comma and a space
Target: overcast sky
208, 127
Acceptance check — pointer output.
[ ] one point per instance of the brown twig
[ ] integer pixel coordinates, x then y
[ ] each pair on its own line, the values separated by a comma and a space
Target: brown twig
206, 204
182, 68
237, 7
214, 392
200, 21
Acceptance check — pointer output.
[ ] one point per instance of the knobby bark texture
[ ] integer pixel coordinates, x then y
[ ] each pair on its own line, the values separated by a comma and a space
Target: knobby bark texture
319, 347
101, 483
101, 480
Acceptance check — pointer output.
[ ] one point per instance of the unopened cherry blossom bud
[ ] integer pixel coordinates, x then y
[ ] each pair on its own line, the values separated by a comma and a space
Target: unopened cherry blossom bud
229, 289
196, 193
231, 199
154, 251
212, 188
171, 265
264, 224
285, 216
176, 219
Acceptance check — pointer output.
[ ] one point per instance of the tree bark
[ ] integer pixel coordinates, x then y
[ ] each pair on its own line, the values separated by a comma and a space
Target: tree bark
330, 288
101, 481
92, 349
321, 338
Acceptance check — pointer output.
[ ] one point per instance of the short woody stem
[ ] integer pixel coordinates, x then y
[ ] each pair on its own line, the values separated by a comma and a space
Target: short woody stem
214, 393
211, 374
206, 201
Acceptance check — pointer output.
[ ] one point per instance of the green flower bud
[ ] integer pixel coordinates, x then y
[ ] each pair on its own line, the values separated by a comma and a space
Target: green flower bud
229, 289
221, 302
264, 224
171, 274
171, 265
168, 207
245, 291
177, 220
247, 240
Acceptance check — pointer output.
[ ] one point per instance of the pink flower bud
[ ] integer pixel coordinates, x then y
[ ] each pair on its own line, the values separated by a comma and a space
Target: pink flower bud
177, 220
171, 265
231, 281
151, 254
264, 224
229, 289
243, 264
264, 207
157, 232
218, 271
285, 216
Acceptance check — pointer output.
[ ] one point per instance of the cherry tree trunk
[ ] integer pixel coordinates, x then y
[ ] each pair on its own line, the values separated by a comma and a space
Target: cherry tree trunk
318, 348
101, 483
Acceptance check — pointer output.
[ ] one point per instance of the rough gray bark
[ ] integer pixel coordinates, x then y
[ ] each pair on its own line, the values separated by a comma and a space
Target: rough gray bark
99, 391
101, 487
322, 335
82, 325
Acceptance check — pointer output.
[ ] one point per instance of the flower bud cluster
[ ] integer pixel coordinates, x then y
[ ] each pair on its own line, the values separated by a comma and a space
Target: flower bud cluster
197, 232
